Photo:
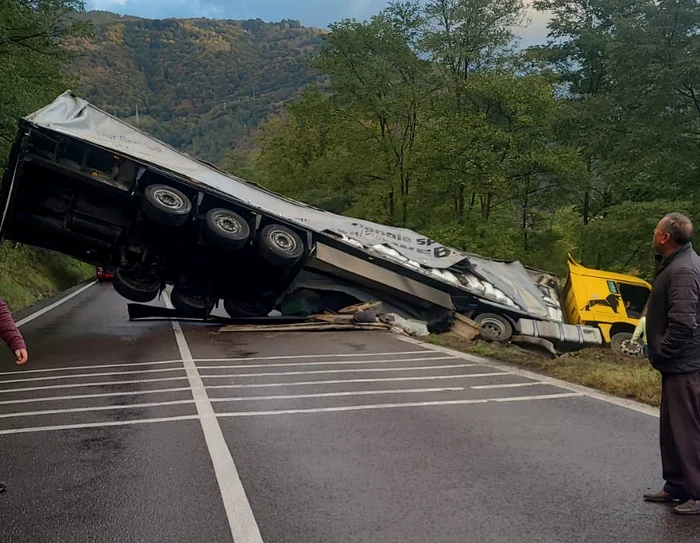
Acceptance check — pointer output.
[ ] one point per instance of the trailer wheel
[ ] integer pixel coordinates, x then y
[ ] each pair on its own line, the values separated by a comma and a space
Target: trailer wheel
137, 285
191, 305
494, 328
166, 205
226, 229
246, 308
280, 246
622, 344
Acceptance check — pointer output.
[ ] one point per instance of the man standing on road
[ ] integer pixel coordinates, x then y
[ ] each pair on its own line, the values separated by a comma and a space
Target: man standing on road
673, 337
11, 335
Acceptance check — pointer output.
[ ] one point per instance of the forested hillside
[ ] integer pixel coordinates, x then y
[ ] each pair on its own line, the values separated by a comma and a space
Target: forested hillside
200, 85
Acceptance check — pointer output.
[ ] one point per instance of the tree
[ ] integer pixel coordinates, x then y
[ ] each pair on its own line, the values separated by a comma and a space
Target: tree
656, 61
496, 155
464, 36
379, 84
581, 37
33, 57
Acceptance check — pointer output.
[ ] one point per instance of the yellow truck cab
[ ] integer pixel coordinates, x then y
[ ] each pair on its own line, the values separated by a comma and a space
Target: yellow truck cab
613, 302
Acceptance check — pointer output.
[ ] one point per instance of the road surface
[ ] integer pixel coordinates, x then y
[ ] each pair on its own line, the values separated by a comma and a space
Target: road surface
121, 431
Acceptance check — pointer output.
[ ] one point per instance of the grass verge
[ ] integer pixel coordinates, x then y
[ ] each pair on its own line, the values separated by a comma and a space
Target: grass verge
27, 274
601, 369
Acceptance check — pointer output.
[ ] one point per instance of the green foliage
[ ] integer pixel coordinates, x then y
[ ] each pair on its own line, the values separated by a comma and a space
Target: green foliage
32, 73
433, 120
200, 85
27, 274
31, 57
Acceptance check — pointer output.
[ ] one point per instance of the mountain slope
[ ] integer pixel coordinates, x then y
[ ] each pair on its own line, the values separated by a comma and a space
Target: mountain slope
198, 84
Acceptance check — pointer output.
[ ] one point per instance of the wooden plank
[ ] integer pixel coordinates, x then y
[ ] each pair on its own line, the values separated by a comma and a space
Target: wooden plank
351, 309
465, 327
304, 327
334, 319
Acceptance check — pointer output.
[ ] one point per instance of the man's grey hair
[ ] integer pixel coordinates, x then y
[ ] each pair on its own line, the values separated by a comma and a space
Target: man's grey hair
679, 227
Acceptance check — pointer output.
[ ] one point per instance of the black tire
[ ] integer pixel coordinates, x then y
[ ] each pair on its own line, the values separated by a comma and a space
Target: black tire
165, 205
191, 305
226, 229
623, 345
495, 328
246, 308
280, 246
137, 285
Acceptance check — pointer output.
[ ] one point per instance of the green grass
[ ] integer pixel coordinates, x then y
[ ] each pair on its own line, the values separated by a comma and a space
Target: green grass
27, 274
601, 369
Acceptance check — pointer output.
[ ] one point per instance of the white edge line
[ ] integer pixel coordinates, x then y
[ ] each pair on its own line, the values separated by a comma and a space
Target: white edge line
93, 425
586, 391
54, 305
373, 380
239, 513
398, 405
91, 409
338, 394
326, 363
89, 396
321, 372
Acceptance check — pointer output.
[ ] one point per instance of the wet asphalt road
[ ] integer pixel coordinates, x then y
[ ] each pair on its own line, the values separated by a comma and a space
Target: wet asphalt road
336, 437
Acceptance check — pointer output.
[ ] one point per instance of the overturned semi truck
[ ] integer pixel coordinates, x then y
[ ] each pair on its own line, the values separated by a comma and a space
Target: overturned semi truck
89, 185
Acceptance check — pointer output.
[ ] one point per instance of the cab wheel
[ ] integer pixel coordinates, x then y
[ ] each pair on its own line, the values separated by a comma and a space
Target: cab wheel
622, 344
494, 328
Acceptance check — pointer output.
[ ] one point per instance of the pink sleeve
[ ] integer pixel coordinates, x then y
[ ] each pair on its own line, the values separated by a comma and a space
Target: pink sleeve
9, 332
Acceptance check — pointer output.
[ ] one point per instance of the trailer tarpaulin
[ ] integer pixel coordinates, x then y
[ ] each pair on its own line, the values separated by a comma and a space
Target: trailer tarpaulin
77, 118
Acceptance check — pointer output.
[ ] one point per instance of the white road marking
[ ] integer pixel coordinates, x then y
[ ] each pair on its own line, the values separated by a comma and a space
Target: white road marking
585, 391
91, 409
351, 370
179, 362
96, 367
54, 305
84, 375
343, 381
511, 385
397, 405
88, 396
338, 394
241, 520
306, 356
341, 363
100, 384
32, 429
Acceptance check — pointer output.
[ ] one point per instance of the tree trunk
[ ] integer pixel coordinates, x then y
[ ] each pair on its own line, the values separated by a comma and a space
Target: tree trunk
524, 223
460, 203
392, 208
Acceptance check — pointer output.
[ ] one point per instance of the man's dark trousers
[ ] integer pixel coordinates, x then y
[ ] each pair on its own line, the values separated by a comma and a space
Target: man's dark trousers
680, 434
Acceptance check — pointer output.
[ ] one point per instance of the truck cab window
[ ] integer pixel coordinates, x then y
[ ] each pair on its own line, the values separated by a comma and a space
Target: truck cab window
634, 298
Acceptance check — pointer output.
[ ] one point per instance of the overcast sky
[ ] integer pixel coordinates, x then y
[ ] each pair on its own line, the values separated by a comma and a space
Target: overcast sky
318, 13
